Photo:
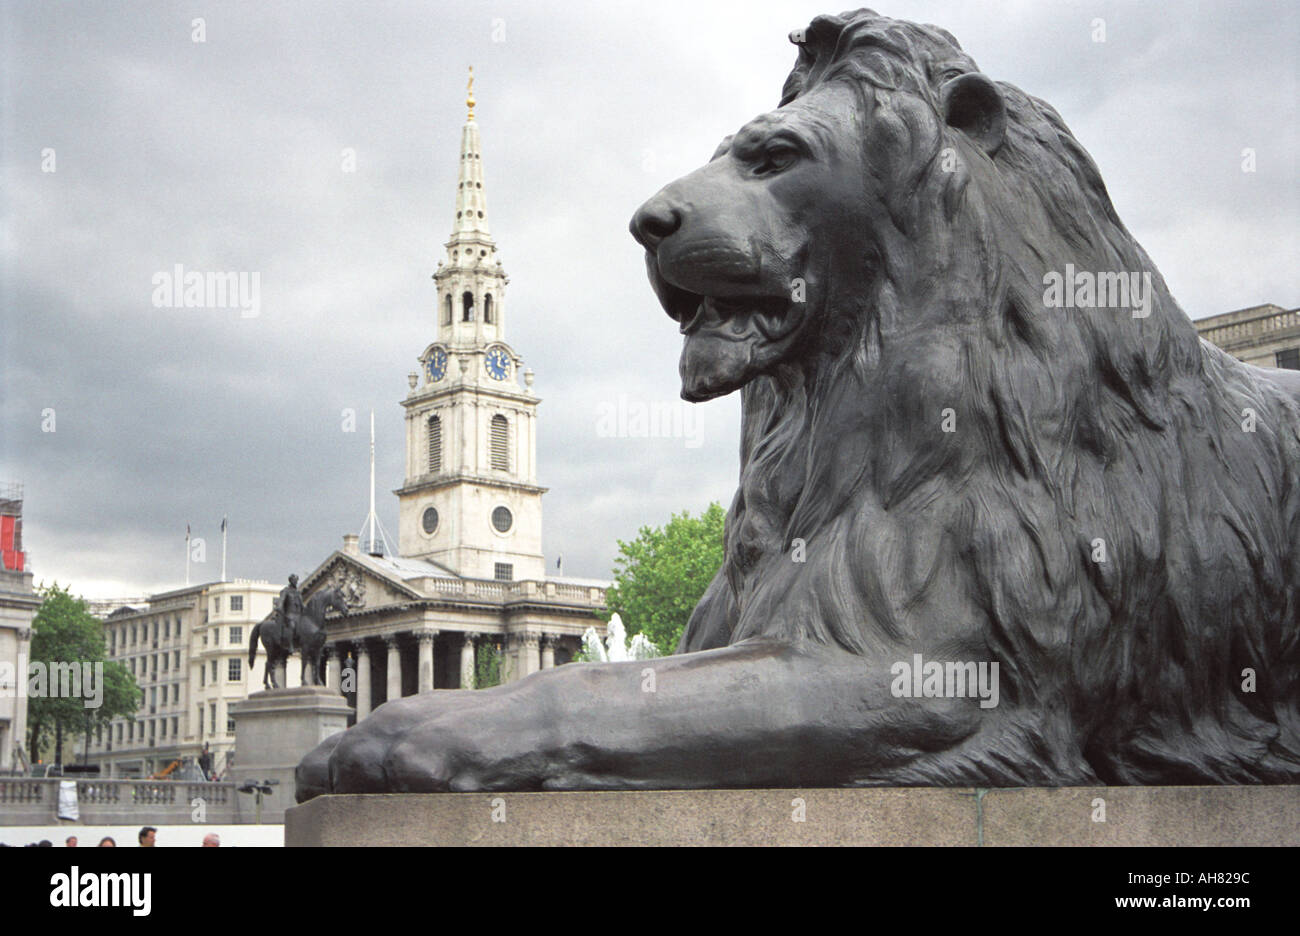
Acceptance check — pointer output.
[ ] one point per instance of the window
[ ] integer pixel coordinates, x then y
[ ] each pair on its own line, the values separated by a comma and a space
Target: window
500, 443
230, 725
216, 636
467, 306
133, 635
167, 628
435, 444
236, 636
153, 698
487, 308
212, 717
162, 728
446, 310
203, 677
166, 659
175, 723
155, 632
502, 520
214, 676
216, 605
233, 672
1290, 359
236, 602
176, 659
200, 721
505, 572
429, 520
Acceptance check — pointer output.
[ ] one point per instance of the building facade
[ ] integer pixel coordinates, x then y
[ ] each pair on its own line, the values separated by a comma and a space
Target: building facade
18, 606
188, 652
1265, 335
467, 599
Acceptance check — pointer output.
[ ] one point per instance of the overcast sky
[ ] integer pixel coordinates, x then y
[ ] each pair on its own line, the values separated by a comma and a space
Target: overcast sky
227, 155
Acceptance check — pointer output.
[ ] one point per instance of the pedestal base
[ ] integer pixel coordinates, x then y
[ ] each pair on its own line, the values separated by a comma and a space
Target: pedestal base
274, 730
874, 816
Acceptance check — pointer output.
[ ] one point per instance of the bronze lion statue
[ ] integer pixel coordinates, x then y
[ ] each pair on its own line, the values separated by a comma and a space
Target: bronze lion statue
990, 530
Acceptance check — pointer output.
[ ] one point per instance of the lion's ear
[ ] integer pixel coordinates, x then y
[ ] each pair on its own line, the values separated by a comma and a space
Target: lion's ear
973, 104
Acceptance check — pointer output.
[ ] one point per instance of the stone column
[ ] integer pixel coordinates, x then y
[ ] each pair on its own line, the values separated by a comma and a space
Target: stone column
363, 680
426, 638
529, 661
467, 662
548, 651
333, 665
394, 669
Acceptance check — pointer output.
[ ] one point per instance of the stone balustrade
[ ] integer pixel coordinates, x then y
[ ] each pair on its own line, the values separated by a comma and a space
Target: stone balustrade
28, 801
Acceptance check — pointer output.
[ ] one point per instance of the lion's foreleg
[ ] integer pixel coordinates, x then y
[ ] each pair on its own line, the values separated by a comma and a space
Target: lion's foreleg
760, 713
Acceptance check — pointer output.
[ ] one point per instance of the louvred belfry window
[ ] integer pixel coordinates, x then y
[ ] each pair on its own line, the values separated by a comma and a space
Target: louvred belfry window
500, 443
435, 444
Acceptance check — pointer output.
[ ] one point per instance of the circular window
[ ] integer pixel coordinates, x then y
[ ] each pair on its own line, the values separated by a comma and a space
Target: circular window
430, 520
480, 214
502, 520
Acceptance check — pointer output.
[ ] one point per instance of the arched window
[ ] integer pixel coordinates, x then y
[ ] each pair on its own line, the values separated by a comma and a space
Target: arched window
500, 443
435, 444
467, 304
487, 308
446, 310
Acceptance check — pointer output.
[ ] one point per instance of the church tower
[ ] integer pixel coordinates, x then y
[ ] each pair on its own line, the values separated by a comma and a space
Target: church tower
471, 502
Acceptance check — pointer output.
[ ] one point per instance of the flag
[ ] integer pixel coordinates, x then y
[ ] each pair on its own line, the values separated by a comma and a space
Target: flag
223, 524
559, 562
187, 532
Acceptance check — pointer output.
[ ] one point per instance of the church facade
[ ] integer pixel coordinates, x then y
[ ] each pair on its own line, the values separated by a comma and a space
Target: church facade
466, 601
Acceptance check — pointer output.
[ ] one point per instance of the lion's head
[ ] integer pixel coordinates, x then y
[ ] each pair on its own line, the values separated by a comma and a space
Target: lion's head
935, 456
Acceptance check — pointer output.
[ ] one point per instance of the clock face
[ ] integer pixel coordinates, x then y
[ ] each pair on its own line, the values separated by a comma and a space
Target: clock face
497, 363
437, 364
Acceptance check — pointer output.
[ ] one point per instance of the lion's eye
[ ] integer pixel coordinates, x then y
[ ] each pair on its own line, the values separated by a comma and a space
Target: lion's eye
777, 157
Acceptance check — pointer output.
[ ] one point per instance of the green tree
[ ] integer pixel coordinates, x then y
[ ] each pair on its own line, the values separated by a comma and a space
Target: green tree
65, 632
487, 666
660, 576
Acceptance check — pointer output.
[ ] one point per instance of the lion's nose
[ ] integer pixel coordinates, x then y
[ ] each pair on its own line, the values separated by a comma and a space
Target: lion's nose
654, 221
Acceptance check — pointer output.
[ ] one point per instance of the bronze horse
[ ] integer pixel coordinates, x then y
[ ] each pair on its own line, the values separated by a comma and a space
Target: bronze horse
310, 638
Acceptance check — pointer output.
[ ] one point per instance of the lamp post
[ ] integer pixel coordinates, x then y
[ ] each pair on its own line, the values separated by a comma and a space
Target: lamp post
258, 790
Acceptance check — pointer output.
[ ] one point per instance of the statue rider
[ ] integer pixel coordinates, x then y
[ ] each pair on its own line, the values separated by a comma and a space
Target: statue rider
290, 612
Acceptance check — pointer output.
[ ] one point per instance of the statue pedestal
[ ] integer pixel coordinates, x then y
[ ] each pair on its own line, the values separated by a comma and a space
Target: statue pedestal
274, 729
1178, 816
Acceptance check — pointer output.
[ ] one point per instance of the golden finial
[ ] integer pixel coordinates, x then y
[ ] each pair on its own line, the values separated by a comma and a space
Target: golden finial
469, 100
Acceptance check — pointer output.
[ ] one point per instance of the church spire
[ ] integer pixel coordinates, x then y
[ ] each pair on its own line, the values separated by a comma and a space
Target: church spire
471, 281
471, 201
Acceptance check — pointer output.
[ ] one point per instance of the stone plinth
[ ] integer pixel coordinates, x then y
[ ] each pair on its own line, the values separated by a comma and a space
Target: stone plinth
274, 730
873, 816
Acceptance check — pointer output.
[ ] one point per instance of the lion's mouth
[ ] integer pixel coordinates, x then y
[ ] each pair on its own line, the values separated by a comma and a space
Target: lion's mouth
734, 318
738, 319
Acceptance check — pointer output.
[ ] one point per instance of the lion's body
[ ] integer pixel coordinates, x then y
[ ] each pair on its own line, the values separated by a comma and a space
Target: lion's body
1072, 426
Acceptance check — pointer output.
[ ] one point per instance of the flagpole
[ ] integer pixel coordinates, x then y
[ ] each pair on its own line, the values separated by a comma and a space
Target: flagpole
187, 555
223, 549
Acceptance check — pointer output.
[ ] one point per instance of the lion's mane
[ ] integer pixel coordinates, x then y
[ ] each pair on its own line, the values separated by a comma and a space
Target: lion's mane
1073, 426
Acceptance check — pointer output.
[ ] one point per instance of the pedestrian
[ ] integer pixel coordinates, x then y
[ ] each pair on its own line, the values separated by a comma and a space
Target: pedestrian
146, 836
71, 841
107, 842
211, 840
